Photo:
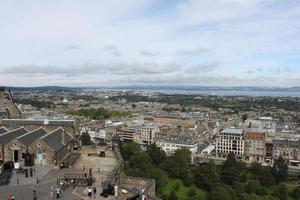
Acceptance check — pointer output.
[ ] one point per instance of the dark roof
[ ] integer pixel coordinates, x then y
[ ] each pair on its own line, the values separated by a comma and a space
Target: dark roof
2, 130
8, 136
30, 137
21, 122
54, 139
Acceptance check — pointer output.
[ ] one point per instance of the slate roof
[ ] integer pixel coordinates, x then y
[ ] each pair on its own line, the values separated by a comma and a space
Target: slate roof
2, 130
21, 122
54, 139
30, 137
8, 136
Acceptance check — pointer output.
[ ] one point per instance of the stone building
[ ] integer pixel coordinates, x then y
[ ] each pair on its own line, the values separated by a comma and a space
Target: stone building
147, 134
39, 146
288, 148
12, 152
7, 107
173, 139
53, 147
49, 125
255, 146
230, 140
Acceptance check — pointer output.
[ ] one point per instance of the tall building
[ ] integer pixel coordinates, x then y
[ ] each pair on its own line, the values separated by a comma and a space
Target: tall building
230, 140
147, 134
255, 148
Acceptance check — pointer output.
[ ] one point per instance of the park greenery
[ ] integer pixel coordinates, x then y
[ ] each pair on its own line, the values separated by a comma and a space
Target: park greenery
177, 179
99, 113
35, 103
235, 103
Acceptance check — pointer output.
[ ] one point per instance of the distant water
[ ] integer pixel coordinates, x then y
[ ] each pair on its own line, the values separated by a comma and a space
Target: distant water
224, 92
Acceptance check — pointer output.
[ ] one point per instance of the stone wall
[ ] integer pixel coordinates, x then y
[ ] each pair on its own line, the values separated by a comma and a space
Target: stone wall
140, 183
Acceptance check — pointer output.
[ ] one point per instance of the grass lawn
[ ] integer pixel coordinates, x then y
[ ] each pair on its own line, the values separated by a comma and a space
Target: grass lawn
182, 191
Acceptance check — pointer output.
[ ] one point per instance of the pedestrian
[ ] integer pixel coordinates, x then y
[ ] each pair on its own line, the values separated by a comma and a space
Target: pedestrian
52, 191
57, 192
90, 192
11, 197
94, 192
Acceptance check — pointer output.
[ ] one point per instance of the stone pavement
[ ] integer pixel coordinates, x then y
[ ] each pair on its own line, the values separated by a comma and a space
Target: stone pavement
48, 176
40, 172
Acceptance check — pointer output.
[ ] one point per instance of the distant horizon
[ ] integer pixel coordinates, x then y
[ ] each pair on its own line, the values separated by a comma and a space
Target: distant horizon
158, 86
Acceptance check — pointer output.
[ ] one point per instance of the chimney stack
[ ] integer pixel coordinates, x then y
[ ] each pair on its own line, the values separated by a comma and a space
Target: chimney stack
63, 136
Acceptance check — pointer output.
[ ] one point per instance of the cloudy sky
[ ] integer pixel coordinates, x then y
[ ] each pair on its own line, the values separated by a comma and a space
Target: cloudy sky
150, 42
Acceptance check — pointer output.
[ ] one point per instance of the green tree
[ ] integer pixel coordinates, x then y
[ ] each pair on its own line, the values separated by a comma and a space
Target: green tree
188, 180
218, 193
160, 176
85, 139
231, 169
173, 196
156, 154
182, 157
296, 193
128, 150
263, 174
280, 170
140, 160
206, 176
192, 192
281, 192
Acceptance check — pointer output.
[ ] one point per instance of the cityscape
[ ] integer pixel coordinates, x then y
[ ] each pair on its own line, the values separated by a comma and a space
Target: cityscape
150, 100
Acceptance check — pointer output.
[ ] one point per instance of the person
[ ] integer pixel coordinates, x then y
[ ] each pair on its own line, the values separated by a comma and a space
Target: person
57, 192
89, 192
11, 197
52, 191
94, 192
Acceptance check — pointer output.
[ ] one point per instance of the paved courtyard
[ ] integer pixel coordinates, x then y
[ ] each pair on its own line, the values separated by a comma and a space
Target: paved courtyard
103, 167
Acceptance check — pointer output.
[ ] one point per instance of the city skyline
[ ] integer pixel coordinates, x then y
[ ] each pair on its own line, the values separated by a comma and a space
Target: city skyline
150, 42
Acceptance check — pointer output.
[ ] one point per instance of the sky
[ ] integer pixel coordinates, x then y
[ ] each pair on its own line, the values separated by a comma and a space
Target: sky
150, 42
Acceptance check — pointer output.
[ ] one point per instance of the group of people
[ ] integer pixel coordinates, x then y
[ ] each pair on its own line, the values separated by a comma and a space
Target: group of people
92, 192
55, 192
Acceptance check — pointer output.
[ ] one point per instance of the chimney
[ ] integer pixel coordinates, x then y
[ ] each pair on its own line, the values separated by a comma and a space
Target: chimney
63, 136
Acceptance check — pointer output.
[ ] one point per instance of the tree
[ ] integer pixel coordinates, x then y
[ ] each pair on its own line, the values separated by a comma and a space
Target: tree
192, 192
188, 180
218, 193
296, 193
280, 170
156, 154
281, 192
263, 174
173, 196
160, 176
85, 139
231, 169
140, 160
182, 157
253, 186
128, 150
206, 176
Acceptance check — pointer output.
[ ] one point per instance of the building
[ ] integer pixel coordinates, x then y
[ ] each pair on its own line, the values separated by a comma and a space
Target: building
7, 107
255, 148
38, 146
184, 121
230, 140
147, 134
288, 148
129, 134
49, 125
173, 139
